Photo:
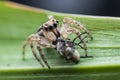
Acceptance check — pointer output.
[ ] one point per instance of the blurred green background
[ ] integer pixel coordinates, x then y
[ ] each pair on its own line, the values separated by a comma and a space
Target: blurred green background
17, 24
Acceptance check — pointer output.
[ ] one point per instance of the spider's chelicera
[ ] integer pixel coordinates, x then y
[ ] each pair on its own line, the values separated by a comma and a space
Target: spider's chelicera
51, 35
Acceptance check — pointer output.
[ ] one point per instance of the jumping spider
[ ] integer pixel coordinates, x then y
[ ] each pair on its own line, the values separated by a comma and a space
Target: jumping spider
50, 35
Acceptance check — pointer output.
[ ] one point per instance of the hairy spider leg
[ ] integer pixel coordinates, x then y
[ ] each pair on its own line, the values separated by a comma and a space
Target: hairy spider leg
71, 21
35, 55
32, 37
42, 56
23, 51
67, 30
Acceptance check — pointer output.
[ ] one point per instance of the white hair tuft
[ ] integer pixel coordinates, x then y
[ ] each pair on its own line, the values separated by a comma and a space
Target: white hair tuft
50, 17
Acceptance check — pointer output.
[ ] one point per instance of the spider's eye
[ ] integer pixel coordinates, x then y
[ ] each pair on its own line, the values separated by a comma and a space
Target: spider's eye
55, 25
57, 21
53, 20
50, 27
46, 29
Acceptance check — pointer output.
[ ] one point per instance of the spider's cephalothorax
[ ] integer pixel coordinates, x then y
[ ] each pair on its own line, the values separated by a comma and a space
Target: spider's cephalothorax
49, 33
49, 30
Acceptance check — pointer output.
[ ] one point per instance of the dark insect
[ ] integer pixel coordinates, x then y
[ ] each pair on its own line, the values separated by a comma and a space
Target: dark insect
67, 49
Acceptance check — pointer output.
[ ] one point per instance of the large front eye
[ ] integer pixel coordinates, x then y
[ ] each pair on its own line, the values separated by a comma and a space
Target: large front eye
50, 27
55, 25
46, 28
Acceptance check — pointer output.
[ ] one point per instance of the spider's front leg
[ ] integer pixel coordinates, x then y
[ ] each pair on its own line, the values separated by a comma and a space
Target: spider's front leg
33, 38
45, 43
40, 41
35, 54
70, 22
42, 56
67, 31
30, 39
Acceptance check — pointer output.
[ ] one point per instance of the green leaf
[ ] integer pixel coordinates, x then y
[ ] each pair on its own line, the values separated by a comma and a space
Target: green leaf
17, 24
